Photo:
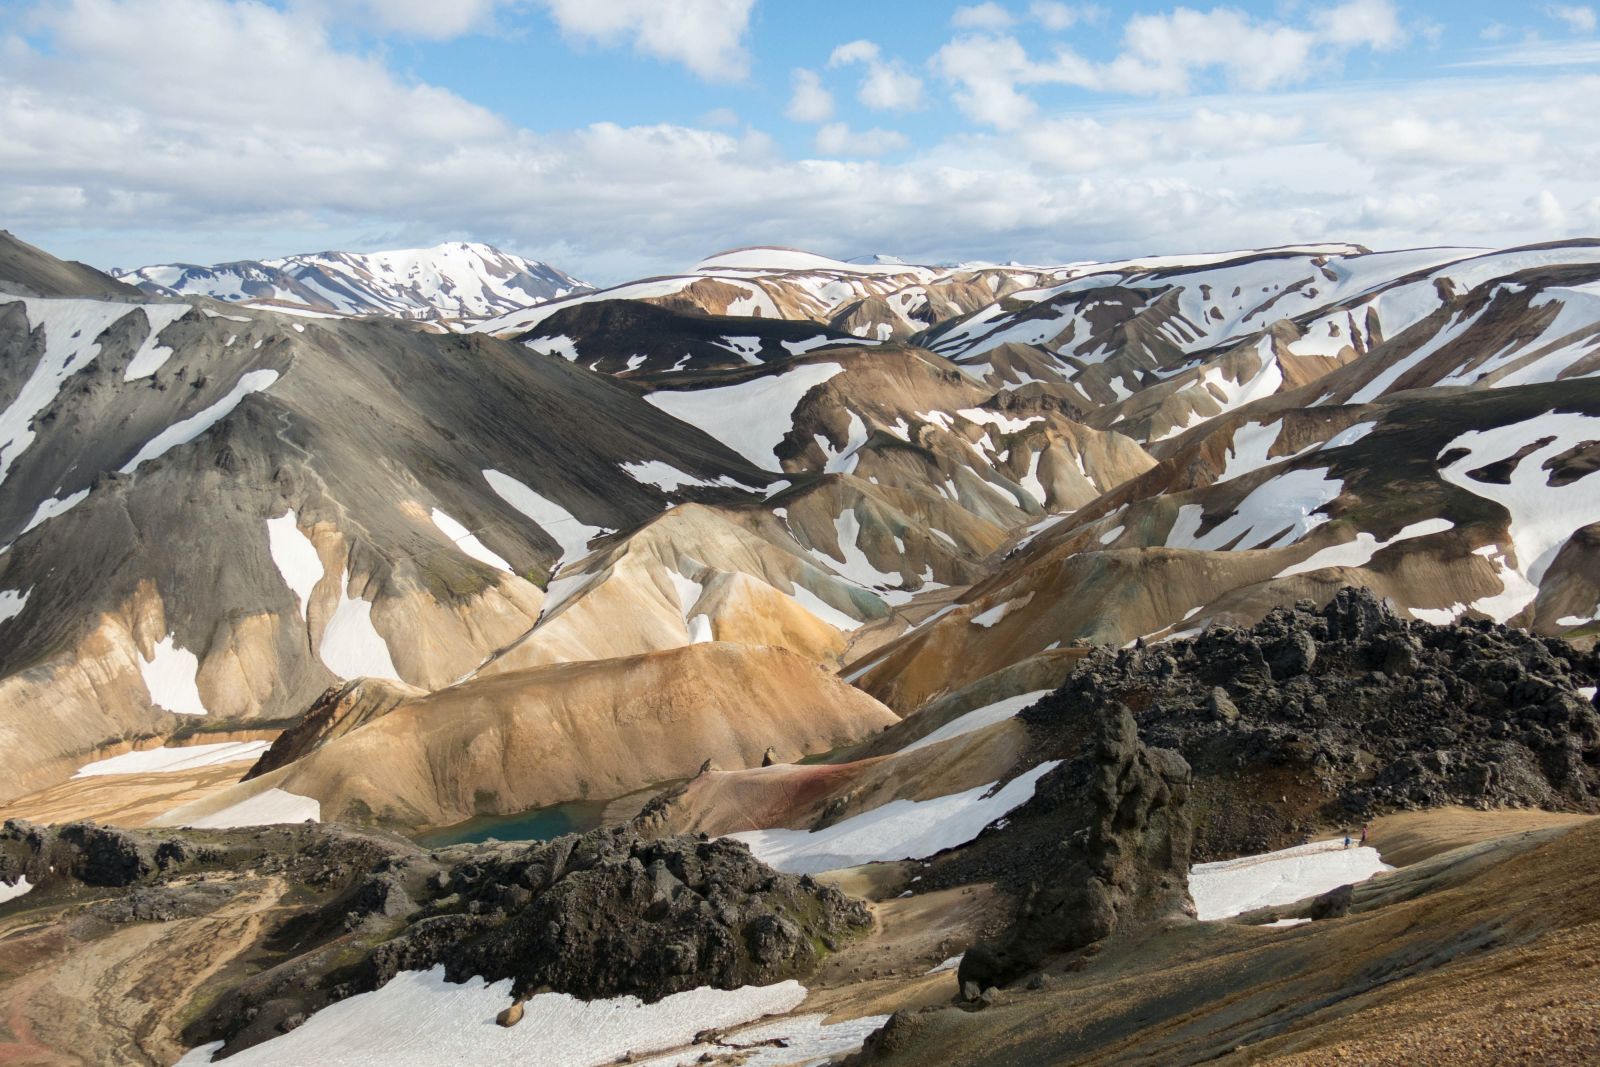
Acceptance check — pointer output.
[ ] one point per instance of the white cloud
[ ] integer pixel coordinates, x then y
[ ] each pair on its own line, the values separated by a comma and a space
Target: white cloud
838, 139
1056, 16
1577, 17
1360, 24
887, 85
985, 16
986, 71
890, 87
721, 117
809, 102
854, 52
1162, 55
706, 36
430, 19
1081, 143
313, 147
1538, 53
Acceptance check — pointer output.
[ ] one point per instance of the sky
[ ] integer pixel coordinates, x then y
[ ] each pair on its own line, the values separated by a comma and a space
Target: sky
625, 138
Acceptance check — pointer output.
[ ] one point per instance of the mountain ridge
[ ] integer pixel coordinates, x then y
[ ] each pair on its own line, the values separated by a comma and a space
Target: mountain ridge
455, 280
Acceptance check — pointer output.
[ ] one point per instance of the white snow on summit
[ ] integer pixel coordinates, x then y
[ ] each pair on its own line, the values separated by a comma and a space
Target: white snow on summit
456, 280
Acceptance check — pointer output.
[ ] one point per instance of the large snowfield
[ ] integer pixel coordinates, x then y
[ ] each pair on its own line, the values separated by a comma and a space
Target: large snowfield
167, 760
418, 1019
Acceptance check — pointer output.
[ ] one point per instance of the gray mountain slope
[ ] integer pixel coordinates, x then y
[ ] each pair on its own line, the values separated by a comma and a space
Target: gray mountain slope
29, 271
366, 428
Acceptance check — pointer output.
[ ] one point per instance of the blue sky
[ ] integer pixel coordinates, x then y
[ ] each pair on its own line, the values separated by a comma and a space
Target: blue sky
618, 138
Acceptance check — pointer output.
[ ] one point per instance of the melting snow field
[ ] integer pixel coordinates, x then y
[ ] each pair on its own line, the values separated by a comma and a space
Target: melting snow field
295, 556
977, 719
668, 478
351, 646
1232, 887
12, 602
418, 1019
72, 330
468, 542
752, 417
186, 430
49, 509
1543, 516
151, 356
266, 808
12, 892
560, 524
165, 760
989, 618
900, 829
1359, 553
169, 676
806, 1040
1281, 507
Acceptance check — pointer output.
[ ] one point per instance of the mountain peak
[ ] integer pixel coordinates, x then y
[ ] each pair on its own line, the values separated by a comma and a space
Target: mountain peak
454, 280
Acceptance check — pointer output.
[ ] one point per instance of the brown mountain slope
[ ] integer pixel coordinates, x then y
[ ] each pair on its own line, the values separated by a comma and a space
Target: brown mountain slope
597, 729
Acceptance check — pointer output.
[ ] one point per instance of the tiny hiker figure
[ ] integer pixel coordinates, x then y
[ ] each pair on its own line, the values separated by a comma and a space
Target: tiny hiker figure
1366, 828
1347, 839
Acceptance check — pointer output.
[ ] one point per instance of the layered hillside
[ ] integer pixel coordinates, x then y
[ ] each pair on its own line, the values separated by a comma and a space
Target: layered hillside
935, 481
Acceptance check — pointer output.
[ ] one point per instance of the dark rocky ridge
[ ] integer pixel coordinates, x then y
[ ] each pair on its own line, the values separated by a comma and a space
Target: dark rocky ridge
1120, 852
1312, 718
595, 915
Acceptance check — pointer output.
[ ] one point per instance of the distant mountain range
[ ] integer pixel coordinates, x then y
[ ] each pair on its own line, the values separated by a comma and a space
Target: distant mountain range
452, 281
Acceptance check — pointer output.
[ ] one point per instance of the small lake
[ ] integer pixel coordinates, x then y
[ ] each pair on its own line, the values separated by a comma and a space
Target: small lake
539, 824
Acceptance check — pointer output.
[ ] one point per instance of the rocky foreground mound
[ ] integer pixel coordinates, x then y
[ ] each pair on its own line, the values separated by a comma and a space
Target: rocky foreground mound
1107, 841
1241, 740
595, 915
1314, 717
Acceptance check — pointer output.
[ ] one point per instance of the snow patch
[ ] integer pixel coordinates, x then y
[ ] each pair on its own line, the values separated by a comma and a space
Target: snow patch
468, 542
560, 345
1281, 506
557, 522
72, 329
351, 646
151, 355
900, 829
169, 760
989, 618
1231, 887
267, 808
978, 718
746, 348
49, 509
186, 430
418, 1019
1359, 552
667, 478
295, 556
751, 417
12, 602
1543, 516
821, 608
169, 677
12, 892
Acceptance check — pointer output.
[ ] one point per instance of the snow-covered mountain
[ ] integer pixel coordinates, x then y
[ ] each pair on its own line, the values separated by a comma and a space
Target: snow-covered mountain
453, 281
